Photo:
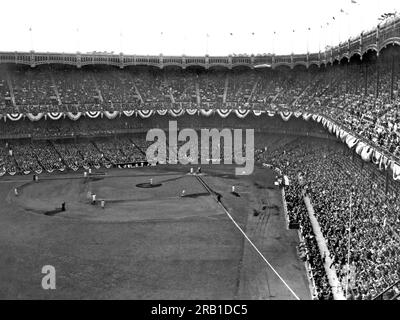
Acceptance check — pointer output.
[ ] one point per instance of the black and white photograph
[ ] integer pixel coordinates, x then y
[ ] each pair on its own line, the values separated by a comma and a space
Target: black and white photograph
207, 153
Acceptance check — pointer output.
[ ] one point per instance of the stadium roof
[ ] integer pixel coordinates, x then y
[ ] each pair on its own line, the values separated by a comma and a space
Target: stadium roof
177, 27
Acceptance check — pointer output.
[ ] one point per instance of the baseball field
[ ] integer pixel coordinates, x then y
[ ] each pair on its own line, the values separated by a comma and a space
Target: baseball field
162, 234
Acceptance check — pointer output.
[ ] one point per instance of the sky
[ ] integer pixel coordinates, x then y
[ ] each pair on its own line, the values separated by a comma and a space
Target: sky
176, 27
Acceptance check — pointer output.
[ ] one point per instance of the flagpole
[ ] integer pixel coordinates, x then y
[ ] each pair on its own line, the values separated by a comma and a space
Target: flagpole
120, 42
207, 36
232, 43
77, 40
253, 44
31, 38
293, 41
319, 39
273, 42
184, 44
161, 42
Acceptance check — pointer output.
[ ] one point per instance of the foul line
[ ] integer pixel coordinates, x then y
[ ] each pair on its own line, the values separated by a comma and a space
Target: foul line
248, 239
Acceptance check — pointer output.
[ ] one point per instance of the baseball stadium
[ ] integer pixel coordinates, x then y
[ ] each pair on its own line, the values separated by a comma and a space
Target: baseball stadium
316, 218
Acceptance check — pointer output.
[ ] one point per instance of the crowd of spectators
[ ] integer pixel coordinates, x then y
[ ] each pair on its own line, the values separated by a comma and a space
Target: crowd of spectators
361, 97
348, 196
26, 156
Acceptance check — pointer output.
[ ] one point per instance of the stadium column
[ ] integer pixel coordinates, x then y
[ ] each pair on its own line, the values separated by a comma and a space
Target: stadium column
358, 77
378, 61
366, 79
392, 79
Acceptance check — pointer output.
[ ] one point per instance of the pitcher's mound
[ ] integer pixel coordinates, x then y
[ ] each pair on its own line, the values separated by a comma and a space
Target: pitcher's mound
148, 185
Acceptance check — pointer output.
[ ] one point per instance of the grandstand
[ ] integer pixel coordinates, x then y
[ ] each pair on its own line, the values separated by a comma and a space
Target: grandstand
331, 118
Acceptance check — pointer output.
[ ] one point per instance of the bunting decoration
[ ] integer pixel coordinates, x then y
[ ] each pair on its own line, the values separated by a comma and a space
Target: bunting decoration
176, 113
34, 117
14, 116
351, 141
74, 116
360, 147
129, 113
366, 153
271, 113
111, 114
162, 112
342, 135
285, 115
108, 165
376, 157
145, 113
92, 114
55, 115
242, 113
396, 170
224, 112
258, 113
206, 113
191, 112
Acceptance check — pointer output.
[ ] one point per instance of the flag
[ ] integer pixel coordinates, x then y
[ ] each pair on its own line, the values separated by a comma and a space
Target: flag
354, 1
